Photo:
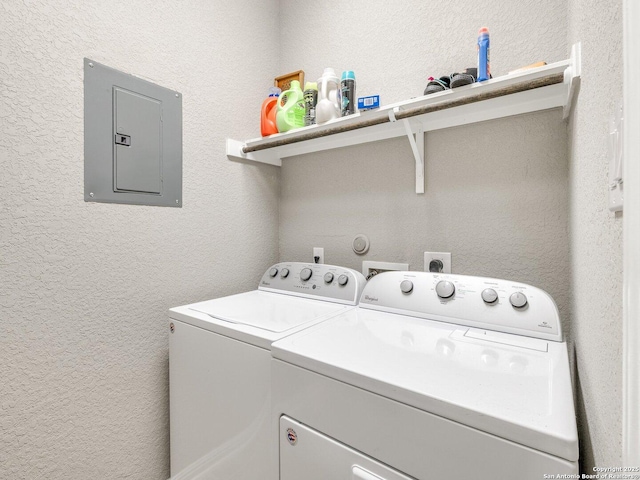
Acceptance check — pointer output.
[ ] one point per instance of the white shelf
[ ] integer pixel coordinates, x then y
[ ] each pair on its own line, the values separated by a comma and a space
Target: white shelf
550, 86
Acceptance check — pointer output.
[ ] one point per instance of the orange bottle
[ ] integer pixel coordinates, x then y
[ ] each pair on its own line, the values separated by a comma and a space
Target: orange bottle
268, 117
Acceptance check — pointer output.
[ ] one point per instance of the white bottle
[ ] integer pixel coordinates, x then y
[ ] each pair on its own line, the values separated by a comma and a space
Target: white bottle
328, 107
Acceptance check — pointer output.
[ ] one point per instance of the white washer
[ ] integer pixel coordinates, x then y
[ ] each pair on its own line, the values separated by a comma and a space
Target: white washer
432, 376
219, 367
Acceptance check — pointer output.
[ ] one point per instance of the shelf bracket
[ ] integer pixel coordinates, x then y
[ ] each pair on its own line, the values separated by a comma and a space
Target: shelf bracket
572, 78
417, 146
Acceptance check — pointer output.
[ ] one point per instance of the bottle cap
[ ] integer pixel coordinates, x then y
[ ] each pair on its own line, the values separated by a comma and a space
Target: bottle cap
311, 86
348, 75
483, 30
295, 84
329, 73
274, 92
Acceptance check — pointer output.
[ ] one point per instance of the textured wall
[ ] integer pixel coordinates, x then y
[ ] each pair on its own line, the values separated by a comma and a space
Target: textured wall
496, 197
501, 196
393, 47
496, 193
596, 234
85, 287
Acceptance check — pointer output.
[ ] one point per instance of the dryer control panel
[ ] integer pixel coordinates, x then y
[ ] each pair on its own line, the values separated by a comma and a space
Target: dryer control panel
499, 305
311, 280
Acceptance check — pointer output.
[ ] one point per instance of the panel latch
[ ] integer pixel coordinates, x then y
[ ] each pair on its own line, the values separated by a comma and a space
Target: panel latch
123, 140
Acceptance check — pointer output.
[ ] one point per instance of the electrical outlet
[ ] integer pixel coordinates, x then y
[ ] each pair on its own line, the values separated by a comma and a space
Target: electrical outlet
444, 257
370, 269
318, 255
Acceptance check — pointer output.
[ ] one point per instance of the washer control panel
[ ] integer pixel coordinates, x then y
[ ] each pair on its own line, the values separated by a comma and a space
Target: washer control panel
310, 280
479, 302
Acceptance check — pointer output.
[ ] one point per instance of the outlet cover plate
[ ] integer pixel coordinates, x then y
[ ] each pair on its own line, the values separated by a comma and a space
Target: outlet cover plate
369, 265
444, 257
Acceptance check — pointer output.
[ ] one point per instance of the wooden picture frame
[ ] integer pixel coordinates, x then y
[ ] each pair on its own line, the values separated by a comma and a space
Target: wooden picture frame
283, 82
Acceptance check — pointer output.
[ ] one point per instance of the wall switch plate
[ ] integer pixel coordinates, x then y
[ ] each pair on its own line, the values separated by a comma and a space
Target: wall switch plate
318, 253
370, 268
444, 257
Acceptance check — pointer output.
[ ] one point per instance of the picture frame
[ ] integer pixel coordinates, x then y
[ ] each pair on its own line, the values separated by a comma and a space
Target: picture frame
283, 82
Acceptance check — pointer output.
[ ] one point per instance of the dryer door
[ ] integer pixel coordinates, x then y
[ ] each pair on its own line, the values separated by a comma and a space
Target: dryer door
307, 453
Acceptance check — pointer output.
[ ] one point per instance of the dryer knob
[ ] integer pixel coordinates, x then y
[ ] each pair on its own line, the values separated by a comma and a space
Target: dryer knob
305, 274
284, 273
406, 286
328, 277
518, 300
343, 280
445, 289
489, 295
273, 272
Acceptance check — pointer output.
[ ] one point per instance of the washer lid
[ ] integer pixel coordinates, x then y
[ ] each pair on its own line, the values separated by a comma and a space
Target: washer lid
515, 387
256, 317
267, 311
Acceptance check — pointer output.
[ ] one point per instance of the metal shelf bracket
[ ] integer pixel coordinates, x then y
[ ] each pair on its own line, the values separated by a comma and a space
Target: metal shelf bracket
572, 78
417, 146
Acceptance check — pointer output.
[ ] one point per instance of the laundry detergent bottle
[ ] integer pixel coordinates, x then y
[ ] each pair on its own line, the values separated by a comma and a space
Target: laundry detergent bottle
290, 113
268, 115
329, 98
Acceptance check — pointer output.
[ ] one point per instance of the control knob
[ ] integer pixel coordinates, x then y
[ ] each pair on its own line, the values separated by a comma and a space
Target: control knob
406, 286
305, 274
518, 300
343, 280
273, 272
328, 277
445, 289
284, 273
489, 295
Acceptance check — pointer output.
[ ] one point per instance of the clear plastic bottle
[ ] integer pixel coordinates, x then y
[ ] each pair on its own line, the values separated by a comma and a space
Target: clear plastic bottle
484, 64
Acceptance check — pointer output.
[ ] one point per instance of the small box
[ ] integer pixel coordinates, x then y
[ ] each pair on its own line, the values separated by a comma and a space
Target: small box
368, 103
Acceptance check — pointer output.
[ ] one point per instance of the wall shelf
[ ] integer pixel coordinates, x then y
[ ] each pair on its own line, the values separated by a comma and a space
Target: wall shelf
542, 88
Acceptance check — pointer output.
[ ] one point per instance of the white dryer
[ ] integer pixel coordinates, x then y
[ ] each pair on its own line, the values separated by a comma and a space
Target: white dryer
432, 377
219, 367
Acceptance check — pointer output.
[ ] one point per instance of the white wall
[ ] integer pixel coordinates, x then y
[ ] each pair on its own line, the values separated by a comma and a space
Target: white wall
393, 47
85, 287
520, 198
496, 193
496, 197
596, 234
83, 346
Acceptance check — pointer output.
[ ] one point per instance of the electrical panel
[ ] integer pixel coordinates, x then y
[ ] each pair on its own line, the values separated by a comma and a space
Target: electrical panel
132, 139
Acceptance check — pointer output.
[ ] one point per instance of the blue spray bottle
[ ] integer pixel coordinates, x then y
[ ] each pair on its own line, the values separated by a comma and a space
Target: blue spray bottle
484, 65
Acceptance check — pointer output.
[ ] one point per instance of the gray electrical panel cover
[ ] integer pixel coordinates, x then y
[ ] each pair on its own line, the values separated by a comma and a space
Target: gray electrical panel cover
132, 139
